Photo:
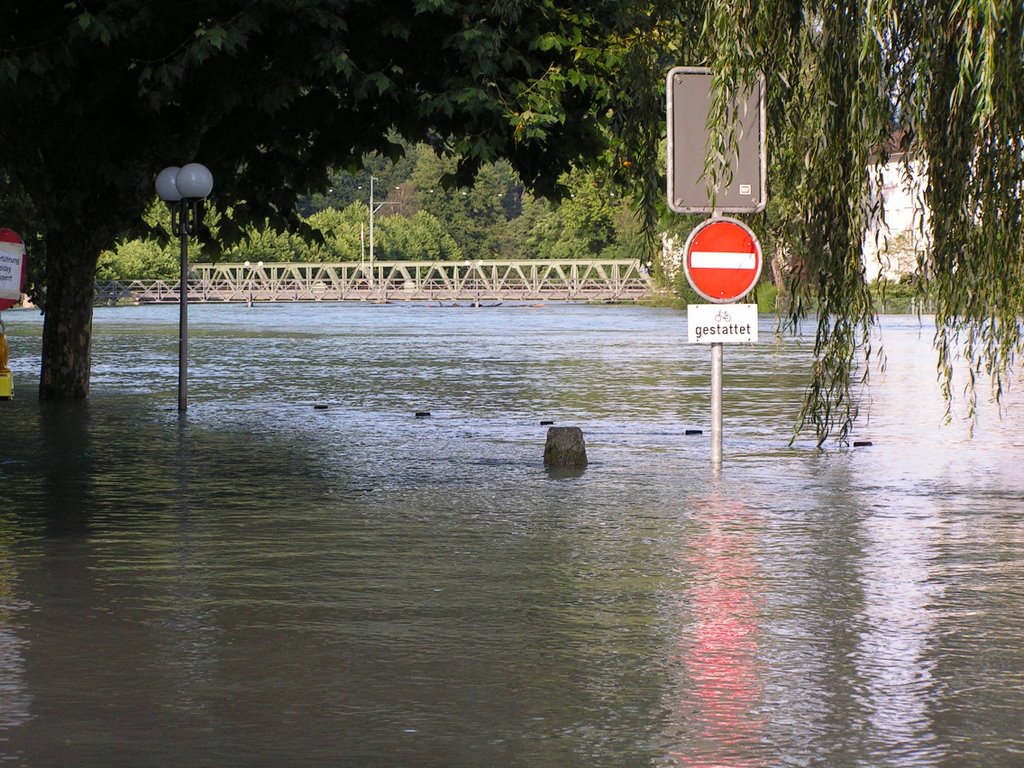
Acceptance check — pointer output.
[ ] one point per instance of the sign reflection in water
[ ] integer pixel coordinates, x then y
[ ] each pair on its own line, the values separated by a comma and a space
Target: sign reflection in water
719, 723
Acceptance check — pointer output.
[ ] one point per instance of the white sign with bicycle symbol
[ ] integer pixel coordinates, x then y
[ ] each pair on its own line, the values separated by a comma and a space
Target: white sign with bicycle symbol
722, 323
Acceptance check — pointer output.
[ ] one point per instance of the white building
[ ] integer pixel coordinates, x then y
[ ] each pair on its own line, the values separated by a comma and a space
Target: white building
898, 235
895, 240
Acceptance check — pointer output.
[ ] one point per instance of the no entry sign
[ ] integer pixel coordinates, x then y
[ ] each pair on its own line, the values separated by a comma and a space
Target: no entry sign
723, 260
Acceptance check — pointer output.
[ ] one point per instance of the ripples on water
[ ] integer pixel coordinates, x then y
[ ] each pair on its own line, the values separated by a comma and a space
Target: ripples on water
265, 583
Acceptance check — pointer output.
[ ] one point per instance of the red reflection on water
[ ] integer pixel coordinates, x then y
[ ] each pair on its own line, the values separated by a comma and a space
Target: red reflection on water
718, 717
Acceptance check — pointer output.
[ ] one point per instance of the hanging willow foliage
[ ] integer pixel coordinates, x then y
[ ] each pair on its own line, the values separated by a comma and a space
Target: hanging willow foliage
940, 81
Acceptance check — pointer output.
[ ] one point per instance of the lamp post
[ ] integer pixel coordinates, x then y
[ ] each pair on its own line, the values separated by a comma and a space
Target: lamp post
184, 189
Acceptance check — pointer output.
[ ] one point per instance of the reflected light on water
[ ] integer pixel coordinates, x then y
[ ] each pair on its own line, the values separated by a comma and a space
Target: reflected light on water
718, 720
893, 657
15, 700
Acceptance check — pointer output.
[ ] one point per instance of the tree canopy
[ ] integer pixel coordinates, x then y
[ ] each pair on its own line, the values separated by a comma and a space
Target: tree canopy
270, 94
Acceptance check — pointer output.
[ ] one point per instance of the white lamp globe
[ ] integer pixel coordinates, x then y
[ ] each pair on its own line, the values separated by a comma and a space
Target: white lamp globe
166, 189
194, 181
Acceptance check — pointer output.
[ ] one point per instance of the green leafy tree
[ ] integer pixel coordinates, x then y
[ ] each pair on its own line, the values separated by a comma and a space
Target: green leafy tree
448, 204
585, 220
419, 237
593, 221
344, 232
139, 259
476, 216
266, 243
348, 186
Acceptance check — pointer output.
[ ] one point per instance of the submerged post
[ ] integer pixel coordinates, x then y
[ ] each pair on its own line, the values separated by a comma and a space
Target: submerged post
717, 353
565, 448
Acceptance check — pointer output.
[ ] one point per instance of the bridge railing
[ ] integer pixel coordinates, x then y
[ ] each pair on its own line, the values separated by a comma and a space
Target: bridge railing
551, 280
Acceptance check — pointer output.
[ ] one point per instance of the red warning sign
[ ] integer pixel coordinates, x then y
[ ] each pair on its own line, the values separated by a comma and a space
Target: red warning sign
723, 260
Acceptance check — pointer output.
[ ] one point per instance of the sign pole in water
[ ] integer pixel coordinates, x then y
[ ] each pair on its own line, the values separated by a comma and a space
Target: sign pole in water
722, 263
717, 353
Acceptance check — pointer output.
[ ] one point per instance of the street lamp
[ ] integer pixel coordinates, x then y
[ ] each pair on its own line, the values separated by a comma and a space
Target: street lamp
184, 189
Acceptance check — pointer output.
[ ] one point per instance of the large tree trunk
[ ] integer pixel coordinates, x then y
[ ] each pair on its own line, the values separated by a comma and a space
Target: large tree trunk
67, 325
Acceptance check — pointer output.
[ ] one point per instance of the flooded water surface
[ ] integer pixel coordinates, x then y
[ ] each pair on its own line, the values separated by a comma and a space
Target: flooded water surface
302, 572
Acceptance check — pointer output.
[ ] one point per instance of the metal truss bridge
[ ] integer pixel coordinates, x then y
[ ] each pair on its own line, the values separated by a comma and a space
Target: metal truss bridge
471, 281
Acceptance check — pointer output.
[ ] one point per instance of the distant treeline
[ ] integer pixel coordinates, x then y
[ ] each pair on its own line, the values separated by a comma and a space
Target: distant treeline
416, 218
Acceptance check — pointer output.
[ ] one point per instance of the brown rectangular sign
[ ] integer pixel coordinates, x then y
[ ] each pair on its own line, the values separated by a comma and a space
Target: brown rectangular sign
689, 100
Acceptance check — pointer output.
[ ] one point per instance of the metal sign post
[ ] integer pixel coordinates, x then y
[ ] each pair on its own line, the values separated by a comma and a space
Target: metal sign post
717, 353
722, 263
718, 325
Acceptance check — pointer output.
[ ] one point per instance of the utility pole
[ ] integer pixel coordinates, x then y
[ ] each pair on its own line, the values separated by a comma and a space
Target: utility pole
373, 209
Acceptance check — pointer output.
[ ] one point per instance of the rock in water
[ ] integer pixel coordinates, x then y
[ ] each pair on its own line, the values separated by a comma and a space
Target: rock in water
565, 448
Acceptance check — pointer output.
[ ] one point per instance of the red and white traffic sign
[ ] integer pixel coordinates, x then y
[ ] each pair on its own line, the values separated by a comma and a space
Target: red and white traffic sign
12, 268
723, 260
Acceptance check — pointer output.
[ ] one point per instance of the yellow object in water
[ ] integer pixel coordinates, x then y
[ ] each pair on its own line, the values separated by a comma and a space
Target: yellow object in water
6, 379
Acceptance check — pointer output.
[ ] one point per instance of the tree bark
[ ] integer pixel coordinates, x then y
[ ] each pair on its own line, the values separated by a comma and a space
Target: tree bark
67, 324
782, 297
